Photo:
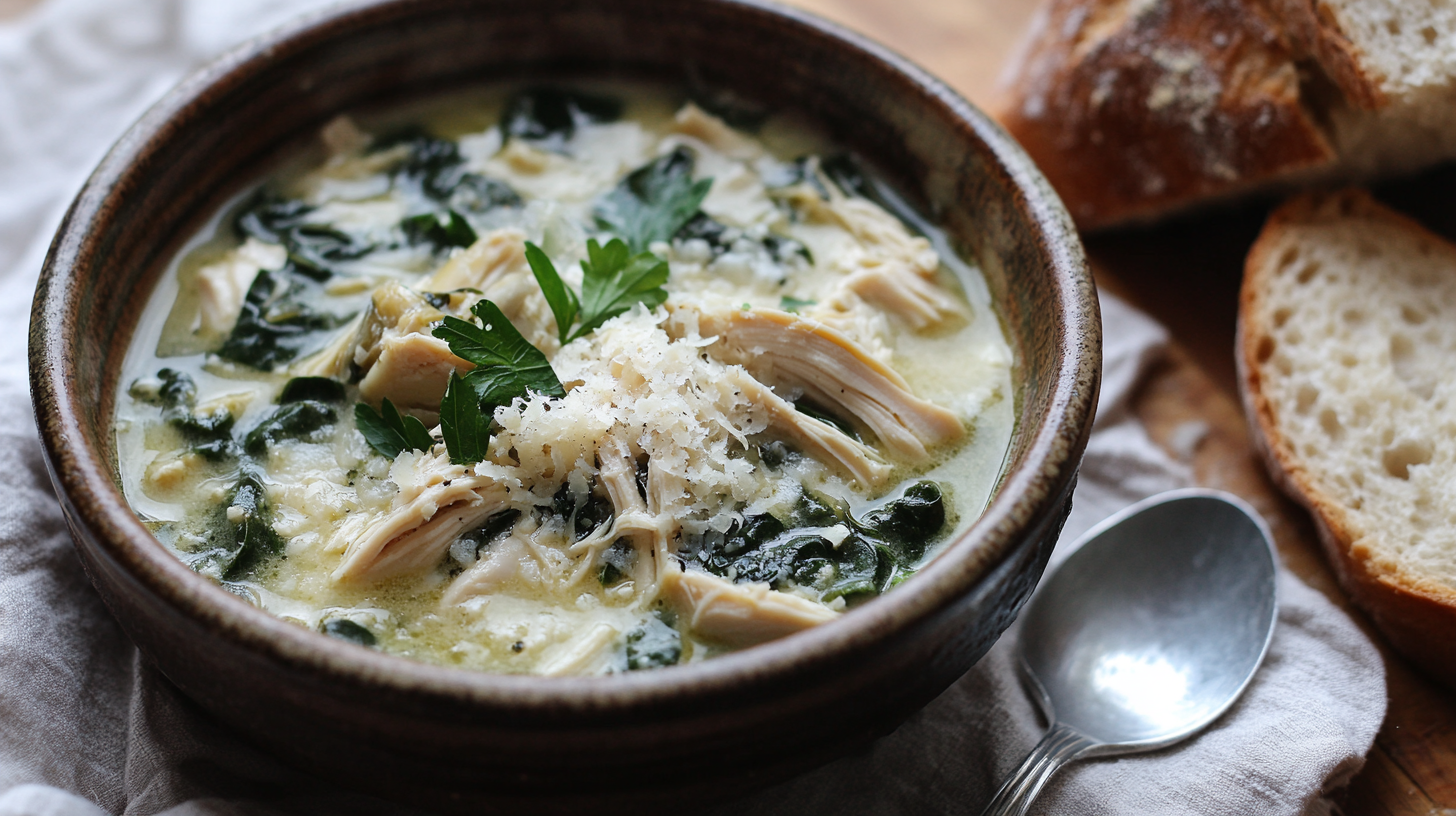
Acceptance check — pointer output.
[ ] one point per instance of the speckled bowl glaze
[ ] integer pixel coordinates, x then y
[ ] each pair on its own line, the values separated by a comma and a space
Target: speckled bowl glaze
465, 741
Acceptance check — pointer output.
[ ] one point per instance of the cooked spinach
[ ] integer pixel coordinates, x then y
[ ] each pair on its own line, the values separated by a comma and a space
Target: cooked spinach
617, 562
909, 523
441, 230
318, 389
884, 546
581, 514
794, 305
550, 116
293, 420
493, 528
242, 535
654, 644
276, 323
437, 169
210, 435
654, 201
345, 629
314, 249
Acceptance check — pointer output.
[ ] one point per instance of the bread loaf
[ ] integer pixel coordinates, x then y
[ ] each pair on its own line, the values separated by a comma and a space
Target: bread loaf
1346, 349
1138, 108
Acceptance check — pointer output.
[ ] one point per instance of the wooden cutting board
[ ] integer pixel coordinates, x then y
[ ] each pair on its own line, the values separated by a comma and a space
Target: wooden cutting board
1187, 275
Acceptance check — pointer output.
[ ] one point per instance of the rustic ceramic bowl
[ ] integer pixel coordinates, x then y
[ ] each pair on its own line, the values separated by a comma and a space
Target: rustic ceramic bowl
467, 741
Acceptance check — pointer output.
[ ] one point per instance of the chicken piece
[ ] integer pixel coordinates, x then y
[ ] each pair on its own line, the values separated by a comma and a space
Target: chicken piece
693, 121
415, 534
915, 299
494, 254
818, 439
223, 286
739, 615
649, 533
411, 371
793, 353
577, 655
500, 566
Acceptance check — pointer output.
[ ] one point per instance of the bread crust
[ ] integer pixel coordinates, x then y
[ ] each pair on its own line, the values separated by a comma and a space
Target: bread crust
1416, 615
1133, 108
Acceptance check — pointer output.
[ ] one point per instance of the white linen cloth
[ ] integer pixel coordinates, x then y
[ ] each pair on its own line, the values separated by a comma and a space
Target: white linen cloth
86, 727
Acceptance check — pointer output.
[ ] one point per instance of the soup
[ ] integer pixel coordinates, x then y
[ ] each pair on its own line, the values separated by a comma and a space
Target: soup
564, 381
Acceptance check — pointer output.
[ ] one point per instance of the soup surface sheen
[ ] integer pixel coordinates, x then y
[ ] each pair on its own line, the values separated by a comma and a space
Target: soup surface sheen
564, 382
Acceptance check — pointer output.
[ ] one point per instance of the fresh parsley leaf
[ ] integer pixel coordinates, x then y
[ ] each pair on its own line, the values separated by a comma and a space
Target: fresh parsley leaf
507, 365
464, 421
654, 201
793, 304
612, 282
391, 433
559, 296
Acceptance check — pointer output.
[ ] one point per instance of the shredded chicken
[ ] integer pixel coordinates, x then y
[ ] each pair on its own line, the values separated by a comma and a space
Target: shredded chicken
805, 356
416, 532
740, 615
815, 438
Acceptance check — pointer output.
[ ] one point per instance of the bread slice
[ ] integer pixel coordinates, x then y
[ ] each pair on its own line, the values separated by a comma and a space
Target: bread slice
1138, 108
1347, 359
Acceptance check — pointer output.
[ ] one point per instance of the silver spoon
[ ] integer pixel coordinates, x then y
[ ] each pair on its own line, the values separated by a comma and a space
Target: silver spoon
1146, 633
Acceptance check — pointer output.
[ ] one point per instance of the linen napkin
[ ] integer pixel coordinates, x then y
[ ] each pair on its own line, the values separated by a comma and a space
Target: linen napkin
86, 727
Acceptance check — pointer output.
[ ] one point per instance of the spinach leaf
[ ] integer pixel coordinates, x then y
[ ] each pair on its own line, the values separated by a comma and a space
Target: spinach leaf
582, 514
493, 528
654, 201
441, 230
617, 562
793, 304
318, 389
276, 323
210, 434
314, 249
654, 644
551, 115
612, 283
172, 389
345, 629
437, 169
244, 538
292, 420
389, 432
465, 421
906, 525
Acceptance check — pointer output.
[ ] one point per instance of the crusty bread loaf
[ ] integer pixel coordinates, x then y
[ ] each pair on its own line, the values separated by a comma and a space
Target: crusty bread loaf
1138, 108
1347, 357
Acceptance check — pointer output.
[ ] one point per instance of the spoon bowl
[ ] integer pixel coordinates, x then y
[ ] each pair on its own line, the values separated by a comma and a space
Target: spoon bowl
1148, 632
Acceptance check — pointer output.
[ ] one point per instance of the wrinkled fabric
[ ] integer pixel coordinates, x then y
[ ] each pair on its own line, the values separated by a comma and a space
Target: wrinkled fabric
86, 727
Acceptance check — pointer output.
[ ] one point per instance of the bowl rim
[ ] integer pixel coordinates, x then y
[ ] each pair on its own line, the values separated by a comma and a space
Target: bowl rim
1024, 495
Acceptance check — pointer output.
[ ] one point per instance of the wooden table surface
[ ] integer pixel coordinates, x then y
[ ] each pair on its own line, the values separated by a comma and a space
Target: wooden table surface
1186, 274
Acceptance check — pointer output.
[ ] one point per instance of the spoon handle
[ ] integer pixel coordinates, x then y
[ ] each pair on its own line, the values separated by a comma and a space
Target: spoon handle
1060, 746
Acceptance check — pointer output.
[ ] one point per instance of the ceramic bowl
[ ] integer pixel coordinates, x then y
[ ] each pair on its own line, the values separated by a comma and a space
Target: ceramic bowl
466, 741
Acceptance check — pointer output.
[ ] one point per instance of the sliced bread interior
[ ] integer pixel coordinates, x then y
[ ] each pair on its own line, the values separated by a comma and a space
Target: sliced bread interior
1347, 351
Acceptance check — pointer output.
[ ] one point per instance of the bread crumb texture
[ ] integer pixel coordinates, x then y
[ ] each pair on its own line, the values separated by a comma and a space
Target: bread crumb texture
1350, 337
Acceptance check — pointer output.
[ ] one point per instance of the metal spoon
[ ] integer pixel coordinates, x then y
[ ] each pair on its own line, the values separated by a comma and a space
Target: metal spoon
1146, 633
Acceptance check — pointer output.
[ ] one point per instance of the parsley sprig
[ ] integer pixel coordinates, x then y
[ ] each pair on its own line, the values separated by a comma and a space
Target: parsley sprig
507, 366
612, 281
389, 432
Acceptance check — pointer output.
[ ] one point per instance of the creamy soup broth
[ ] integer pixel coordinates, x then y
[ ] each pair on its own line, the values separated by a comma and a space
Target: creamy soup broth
564, 381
